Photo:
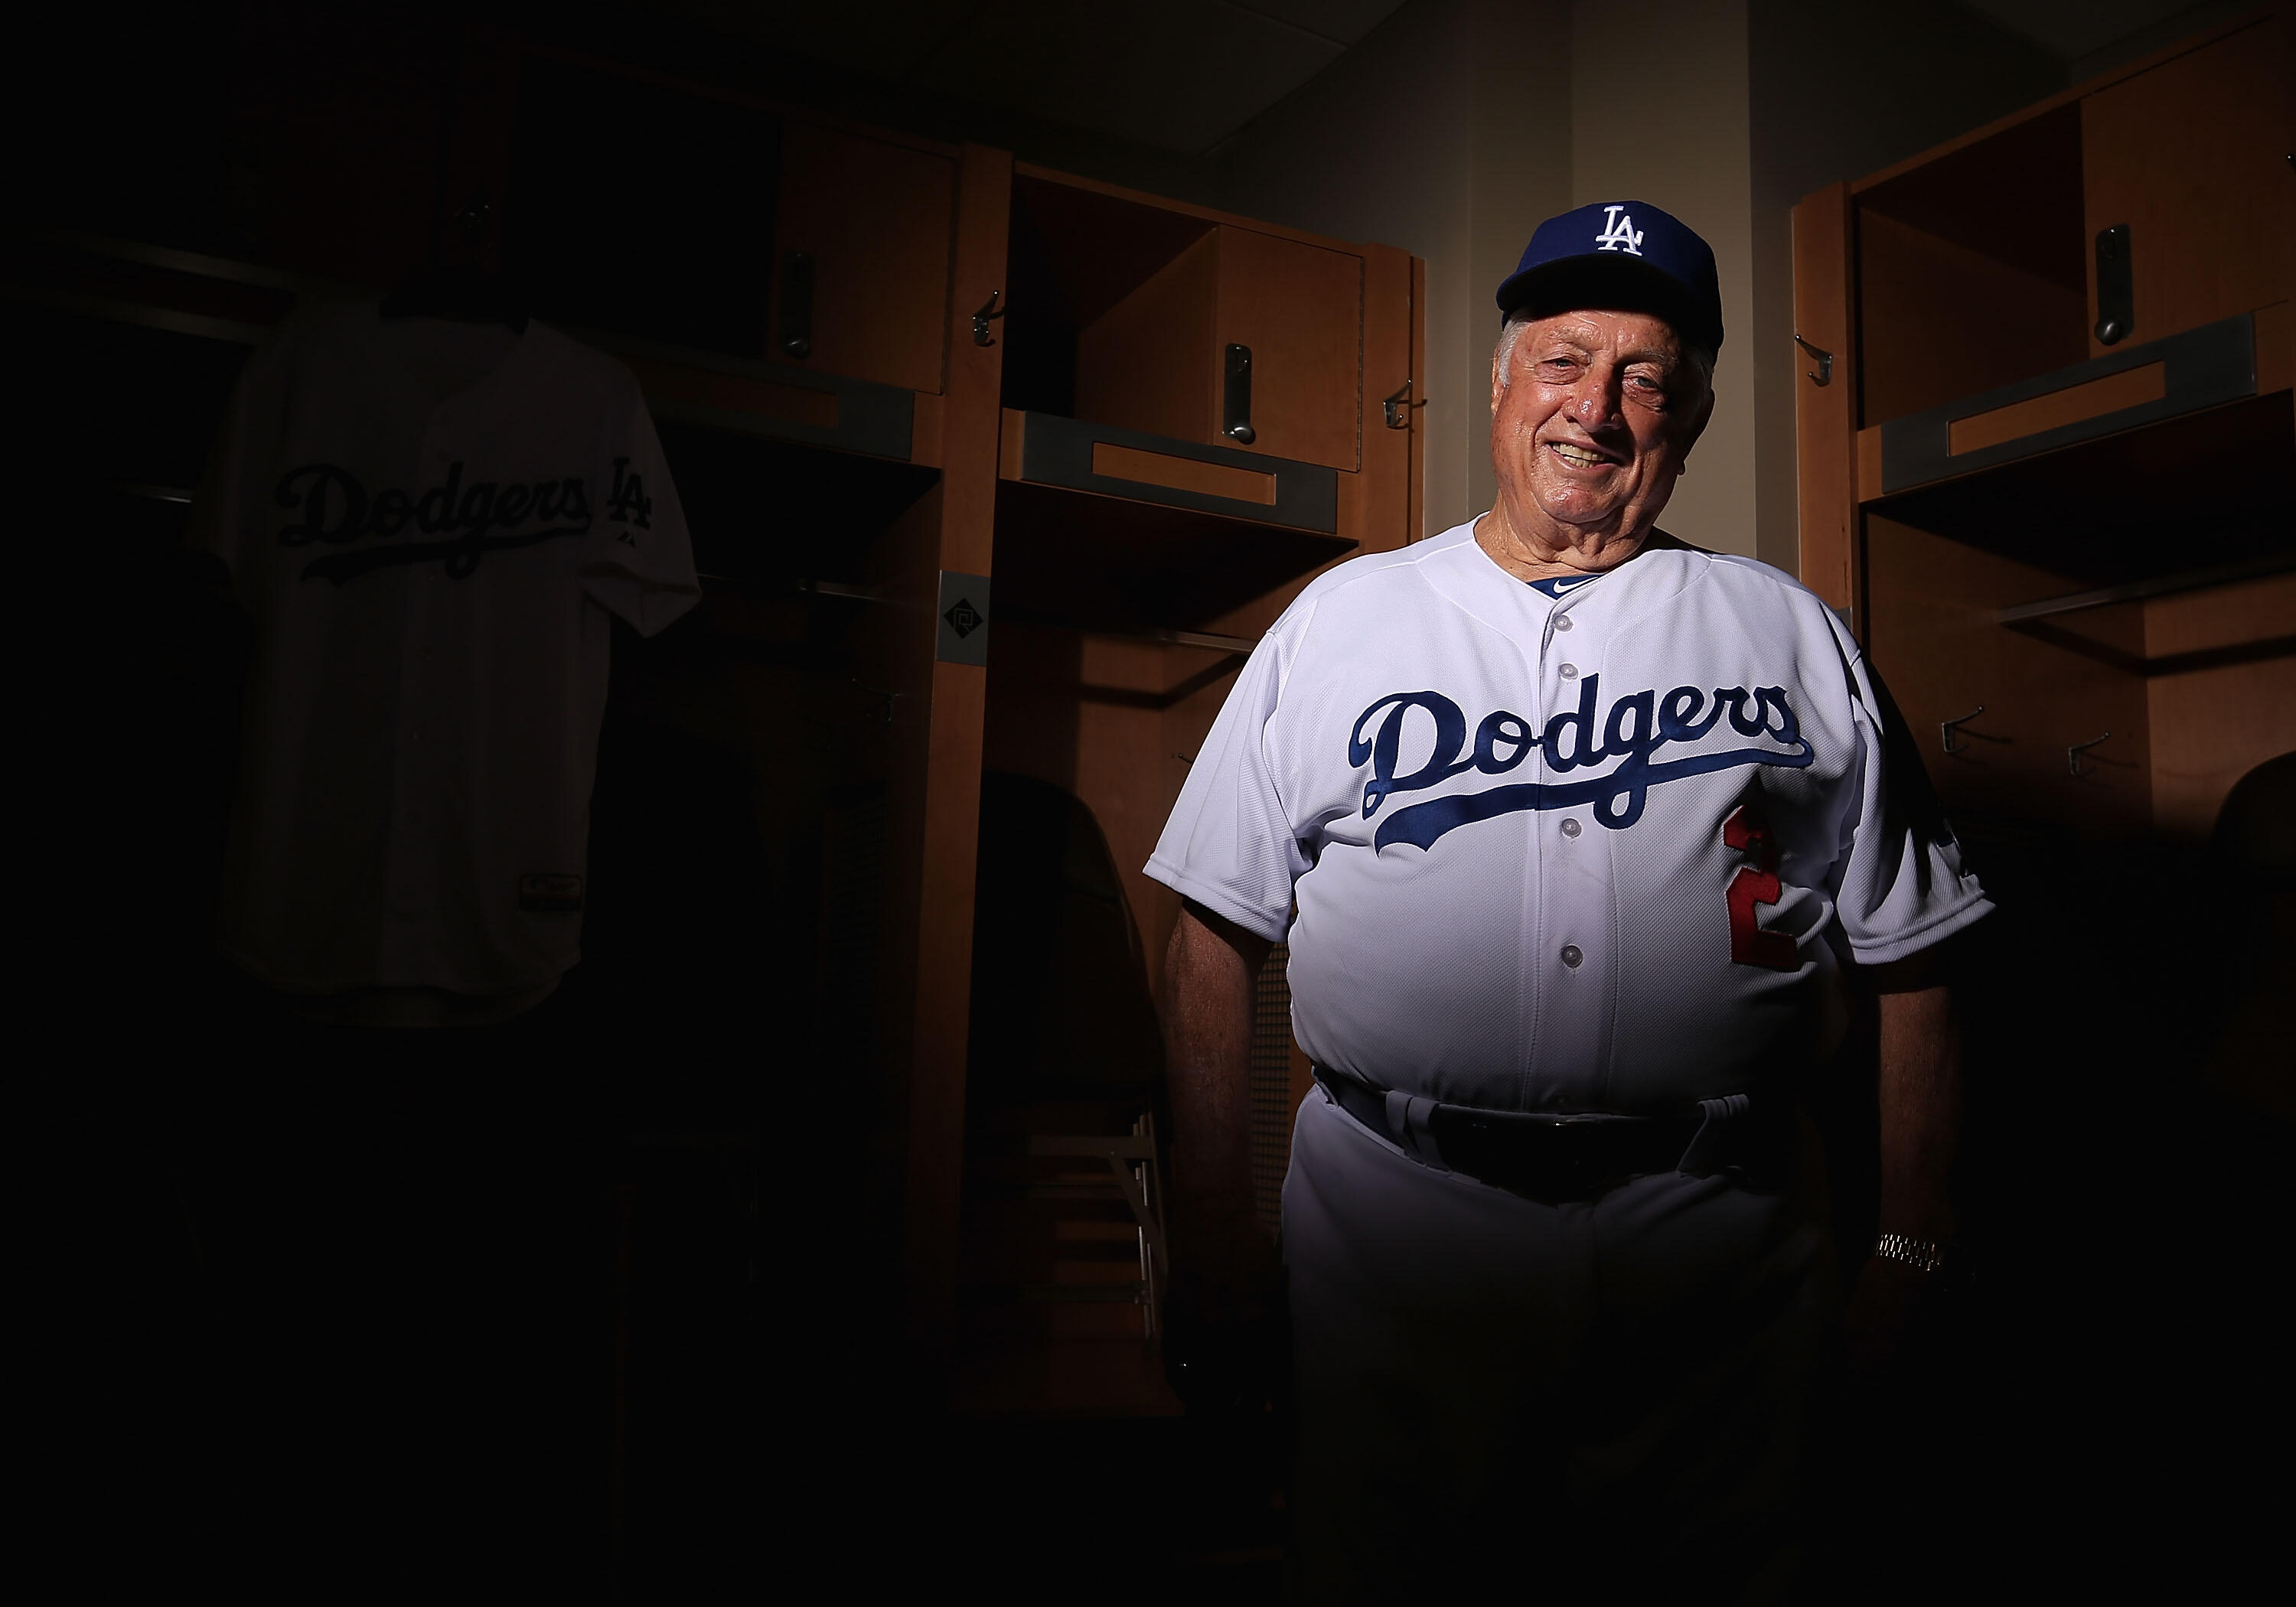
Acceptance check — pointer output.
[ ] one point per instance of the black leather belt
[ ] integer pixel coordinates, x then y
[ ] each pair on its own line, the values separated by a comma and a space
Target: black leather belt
1549, 1158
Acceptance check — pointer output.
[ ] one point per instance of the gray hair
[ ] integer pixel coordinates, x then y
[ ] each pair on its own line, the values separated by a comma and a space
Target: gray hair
1700, 360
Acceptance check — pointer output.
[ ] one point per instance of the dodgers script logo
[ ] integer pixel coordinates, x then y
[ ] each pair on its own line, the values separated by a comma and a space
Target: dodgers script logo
1640, 723
468, 521
1620, 233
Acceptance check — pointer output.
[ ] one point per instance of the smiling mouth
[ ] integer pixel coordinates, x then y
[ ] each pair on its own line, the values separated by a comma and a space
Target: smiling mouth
1578, 457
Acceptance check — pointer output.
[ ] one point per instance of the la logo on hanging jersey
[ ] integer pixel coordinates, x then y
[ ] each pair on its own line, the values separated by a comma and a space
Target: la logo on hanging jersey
1620, 233
629, 504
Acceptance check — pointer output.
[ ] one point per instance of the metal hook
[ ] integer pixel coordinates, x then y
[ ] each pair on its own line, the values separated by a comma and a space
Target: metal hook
988, 309
1950, 730
1397, 408
473, 222
2073, 754
1823, 374
876, 691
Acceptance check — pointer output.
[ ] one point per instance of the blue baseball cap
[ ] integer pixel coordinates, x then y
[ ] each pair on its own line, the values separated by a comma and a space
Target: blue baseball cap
1624, 254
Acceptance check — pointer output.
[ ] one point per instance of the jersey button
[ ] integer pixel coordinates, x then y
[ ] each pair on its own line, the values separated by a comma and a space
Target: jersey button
1570, 827
1569, 672
1563, 621
1571, 956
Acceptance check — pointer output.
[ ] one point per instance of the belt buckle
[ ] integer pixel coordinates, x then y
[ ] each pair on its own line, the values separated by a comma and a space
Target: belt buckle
1540, 1157
1579, 1167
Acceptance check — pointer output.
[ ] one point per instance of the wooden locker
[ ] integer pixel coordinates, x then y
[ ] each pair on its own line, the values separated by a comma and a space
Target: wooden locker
1140, 549
1151, 345
873, 215
2192, 155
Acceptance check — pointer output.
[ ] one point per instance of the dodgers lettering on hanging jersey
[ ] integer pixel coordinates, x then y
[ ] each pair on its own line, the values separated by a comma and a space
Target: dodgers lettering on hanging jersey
1595, 844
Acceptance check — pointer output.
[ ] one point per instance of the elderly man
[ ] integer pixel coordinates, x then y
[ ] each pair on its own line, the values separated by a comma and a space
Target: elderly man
1580, 835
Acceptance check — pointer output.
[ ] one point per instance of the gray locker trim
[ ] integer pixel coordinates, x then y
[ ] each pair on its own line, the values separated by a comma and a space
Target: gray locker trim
2213, 364
1056, 451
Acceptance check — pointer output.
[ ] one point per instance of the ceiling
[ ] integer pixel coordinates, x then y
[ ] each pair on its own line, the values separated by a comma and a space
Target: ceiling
1181, 76
1177, 75
2072, 29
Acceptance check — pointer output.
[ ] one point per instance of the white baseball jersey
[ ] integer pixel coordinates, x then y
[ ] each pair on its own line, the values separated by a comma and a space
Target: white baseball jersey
1592, 844
431, 523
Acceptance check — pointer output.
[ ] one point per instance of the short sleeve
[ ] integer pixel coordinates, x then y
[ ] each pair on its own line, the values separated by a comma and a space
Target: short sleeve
228, 511
1901, 885
639, 562
1229, 843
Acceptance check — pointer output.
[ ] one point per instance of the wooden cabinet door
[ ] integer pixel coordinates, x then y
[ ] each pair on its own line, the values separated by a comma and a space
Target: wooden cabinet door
1299, 308
876, 219
2193, 157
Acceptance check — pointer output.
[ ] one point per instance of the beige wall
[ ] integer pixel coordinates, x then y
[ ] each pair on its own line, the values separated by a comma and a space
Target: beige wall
1660, 96
1525, 87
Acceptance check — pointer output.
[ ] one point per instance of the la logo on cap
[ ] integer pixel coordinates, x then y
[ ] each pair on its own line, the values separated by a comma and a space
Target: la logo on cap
1619, 232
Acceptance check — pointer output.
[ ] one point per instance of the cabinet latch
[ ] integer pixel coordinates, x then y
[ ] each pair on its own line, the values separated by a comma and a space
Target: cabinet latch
1235, 411
2116, 286
796, 334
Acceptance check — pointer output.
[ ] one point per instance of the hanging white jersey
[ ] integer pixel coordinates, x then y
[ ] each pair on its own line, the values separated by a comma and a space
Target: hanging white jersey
431, 524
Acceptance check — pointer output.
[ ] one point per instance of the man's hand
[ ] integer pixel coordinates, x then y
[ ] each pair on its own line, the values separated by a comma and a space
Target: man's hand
1222, 1343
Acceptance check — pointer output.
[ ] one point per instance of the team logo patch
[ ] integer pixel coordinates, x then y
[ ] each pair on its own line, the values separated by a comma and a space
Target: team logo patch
1618, 232
1638, 727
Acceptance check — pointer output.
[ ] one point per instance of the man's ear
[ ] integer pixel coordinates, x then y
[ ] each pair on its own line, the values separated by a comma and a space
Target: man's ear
1697, 427
1497, 386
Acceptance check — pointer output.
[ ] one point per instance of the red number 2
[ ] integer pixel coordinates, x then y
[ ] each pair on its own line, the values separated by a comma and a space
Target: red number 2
1749, 833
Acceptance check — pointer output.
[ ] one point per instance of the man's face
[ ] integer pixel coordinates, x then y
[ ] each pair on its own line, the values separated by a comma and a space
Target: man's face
1589, 426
